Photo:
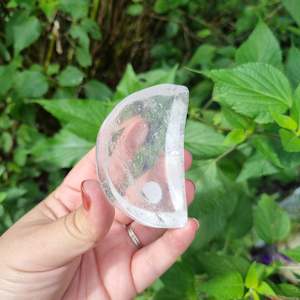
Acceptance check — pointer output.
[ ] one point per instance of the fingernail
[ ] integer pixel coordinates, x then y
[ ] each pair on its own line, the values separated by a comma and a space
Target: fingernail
86, 200
197, 223
188, 155
193, 184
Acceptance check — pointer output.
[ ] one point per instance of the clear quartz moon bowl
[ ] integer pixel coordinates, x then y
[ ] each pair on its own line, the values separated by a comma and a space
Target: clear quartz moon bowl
140, 156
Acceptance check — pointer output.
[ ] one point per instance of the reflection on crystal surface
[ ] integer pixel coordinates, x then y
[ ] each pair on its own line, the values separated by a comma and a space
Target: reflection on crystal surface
140, 156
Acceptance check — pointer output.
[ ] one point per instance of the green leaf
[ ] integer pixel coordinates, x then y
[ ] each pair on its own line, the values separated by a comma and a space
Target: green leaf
70, 76
293, 7
235, 137
264, 146
135, 9
212, 224
20, 156
27, 4
254, 295
6, 78
236, 120
4, 52
49, 7
172, 29
83, 56
5, 122
212, 205
284, 121
162, 6
181, 276
26, 33
226, 287
81, 117
2, 196
246, 20
265, 289
261, 46
92, 28
294, 254
253, 276
76, 8
66, 93
295, 110
27, 135
272, 223
255, 167
241, 220
158, 76
287, 160
216, 264
200, 92
30, 84
253, 90
203, 56
204, 33
97, 90
203, 141
6, 141
293, 66
290, 141
289, 290
214, 187
18, 17
128, 84
78, 33
52, 69
15, 192
131, 82
63, 150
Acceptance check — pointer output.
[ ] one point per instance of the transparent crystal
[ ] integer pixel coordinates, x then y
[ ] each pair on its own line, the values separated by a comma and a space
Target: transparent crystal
140, 156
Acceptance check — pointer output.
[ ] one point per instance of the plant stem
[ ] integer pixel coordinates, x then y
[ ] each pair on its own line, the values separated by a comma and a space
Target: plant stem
94, 11
225, 153
53, 38
49, 52
226, 244
208, 103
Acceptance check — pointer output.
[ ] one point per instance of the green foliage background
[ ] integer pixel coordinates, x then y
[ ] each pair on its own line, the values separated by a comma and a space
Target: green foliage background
64, 64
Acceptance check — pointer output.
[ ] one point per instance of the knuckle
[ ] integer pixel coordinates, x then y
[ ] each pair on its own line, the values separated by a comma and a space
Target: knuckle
176, 245
77, 228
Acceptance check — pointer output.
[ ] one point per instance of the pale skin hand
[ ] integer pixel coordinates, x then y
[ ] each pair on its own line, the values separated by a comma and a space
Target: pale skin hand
74, 245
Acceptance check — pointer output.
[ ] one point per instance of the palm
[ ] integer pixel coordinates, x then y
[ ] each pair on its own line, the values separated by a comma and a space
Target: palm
37, 266
115, 268
108, 267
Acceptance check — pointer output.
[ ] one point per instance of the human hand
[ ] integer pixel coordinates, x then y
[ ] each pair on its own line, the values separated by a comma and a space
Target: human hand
75, 245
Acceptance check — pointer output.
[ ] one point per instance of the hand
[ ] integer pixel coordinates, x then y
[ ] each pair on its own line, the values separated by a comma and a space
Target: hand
74, 245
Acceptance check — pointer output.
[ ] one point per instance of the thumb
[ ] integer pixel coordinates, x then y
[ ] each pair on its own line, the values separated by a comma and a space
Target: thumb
81, 230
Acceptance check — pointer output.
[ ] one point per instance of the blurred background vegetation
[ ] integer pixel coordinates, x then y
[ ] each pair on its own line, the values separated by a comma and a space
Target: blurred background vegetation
65, 63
